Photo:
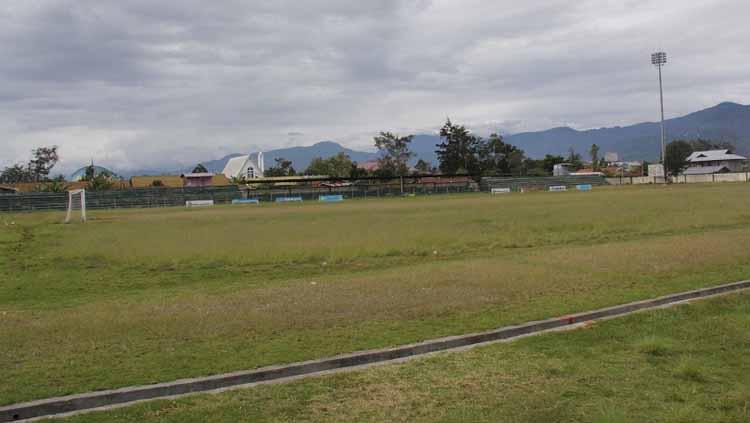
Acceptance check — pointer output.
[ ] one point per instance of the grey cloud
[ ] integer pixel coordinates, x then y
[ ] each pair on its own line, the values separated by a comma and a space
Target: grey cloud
143, 82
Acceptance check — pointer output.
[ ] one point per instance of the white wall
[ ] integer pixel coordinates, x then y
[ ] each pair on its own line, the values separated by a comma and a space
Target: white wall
683, 179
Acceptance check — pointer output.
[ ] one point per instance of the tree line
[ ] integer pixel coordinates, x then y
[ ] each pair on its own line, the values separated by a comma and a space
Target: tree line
459, 152
37, 169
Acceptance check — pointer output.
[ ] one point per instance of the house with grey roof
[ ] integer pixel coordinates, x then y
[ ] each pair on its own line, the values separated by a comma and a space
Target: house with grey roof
714, 161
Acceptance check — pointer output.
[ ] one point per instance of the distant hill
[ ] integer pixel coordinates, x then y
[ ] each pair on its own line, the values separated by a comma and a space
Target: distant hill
302, 156
724, 122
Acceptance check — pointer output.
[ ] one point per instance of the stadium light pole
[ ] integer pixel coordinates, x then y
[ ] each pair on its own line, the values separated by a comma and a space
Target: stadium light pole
659, 59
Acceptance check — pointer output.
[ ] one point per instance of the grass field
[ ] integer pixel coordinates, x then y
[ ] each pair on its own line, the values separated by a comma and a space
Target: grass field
683, 364
141, 296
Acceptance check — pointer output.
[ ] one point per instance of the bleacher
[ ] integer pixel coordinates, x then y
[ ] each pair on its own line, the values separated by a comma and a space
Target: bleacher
529, 183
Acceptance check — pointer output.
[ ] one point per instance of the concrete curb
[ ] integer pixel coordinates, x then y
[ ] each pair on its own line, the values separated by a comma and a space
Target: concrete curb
97, 400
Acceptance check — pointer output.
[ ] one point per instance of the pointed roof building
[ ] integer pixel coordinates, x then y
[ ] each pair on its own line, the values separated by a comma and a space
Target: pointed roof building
249, 166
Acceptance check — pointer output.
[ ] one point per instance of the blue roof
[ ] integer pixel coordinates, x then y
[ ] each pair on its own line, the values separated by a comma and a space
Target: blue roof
80, 173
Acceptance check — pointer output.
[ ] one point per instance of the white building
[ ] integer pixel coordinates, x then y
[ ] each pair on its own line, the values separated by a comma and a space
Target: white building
714, 161
561, 169
245, 167
611, 157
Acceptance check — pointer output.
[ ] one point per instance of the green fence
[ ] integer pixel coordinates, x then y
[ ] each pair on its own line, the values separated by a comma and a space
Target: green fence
147, 197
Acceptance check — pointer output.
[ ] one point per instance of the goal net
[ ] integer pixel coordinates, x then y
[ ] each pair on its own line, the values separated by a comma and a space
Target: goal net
76, 204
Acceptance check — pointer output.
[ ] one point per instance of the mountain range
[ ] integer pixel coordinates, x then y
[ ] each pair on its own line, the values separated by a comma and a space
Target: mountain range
729, 122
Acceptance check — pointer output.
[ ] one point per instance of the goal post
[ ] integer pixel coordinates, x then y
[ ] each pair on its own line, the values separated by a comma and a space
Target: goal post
76, 202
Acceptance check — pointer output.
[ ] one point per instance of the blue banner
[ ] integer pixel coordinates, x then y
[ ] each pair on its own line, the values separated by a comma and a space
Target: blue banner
288, 199
331, 198
246, 201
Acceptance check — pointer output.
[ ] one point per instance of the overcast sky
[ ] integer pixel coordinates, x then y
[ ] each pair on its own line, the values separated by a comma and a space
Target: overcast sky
138, 83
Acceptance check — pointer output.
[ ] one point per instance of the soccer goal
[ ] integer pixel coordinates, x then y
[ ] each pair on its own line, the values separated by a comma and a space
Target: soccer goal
76, 203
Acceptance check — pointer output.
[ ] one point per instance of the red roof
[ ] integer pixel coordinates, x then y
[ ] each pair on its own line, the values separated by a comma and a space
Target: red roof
370, 165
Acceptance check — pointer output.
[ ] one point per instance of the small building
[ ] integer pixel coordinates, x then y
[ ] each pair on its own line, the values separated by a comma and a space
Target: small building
191, 180
561, 169
245, 167
714, 161
611, 157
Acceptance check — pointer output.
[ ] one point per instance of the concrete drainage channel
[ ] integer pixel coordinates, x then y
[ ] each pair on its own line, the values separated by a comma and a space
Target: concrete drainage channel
74, 404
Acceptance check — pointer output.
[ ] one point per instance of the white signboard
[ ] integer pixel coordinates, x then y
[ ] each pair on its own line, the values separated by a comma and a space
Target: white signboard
500, 191
558, 188
199, 203
656, 170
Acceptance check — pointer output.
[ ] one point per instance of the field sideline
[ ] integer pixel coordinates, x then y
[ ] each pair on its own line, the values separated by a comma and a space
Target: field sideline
142, 296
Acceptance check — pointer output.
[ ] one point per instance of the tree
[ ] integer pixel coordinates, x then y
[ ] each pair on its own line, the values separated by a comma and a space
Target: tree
357, 172
456, 152
574, 159
200, 169
15, 174
494, 156
542, 167
283, 167
42, 162
54, 185
37, 170
101, 181
422, 167
338, 166
394, 154
701, 144
594, 152
677, 153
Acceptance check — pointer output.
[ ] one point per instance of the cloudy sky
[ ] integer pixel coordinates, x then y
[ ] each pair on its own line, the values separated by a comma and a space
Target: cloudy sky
140, 83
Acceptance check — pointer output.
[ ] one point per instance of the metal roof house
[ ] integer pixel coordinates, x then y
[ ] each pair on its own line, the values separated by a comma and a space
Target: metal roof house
714, 161
245, 167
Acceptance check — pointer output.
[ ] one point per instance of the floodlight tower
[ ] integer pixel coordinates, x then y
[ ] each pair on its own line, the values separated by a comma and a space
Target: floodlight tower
659, 59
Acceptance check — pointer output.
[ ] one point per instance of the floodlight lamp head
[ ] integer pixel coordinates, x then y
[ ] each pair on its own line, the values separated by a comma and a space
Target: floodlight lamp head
659, 58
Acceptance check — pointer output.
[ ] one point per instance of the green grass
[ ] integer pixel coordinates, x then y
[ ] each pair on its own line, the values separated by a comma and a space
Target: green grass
141, 296
683, 364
